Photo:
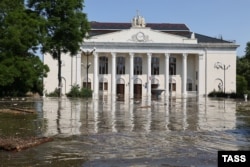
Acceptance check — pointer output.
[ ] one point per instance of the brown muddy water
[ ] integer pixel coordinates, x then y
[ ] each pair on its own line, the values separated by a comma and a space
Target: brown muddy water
182, 132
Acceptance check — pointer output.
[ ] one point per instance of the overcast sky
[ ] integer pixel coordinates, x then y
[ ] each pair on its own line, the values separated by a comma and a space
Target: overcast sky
227, 18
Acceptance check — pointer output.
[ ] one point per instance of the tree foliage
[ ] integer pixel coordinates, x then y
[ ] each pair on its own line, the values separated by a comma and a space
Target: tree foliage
247, 51
243, 71
21, 33
66, 26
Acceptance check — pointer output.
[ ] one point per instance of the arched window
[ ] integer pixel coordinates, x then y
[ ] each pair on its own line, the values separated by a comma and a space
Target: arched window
155, 66
120, 65
103, 65
137, 66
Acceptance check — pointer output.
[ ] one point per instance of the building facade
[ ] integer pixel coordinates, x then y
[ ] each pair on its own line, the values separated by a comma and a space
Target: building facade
131, 60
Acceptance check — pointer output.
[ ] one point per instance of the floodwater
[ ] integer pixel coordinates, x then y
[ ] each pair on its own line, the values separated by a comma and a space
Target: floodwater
179, 132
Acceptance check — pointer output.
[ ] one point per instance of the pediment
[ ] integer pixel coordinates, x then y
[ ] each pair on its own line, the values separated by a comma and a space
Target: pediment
140, 35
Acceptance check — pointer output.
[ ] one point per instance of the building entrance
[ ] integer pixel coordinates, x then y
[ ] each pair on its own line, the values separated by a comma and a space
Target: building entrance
137, 91
120, 91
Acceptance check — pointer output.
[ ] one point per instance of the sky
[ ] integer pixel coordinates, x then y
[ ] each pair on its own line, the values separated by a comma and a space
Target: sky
215, 18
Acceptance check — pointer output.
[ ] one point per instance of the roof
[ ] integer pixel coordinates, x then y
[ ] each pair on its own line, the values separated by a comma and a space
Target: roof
206, 39
122, 26
98, 28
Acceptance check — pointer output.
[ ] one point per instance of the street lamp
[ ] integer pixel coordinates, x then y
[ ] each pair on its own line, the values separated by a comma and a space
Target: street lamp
219, 65
87, 54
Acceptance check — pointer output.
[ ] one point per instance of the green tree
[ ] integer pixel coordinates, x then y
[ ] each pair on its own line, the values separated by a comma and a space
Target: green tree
241, 84
247, 51
66, 27
21, 32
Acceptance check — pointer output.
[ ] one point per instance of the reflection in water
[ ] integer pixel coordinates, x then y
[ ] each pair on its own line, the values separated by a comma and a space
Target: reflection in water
105, 132
62, 116
72, 117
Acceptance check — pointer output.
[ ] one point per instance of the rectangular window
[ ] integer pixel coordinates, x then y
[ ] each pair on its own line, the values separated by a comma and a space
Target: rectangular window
137, 66
84, 85
190, 87
103, 65
172, 66
172, 86
103, 86
155, 66
120, 65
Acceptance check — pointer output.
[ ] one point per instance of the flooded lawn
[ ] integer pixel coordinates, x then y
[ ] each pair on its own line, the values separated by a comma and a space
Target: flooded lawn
178, 133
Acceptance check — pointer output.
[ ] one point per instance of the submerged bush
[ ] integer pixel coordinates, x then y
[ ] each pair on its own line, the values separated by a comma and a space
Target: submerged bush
75, 91
225, 95
53, 94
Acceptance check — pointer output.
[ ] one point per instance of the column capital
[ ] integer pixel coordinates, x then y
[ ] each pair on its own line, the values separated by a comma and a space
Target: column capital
167, 55
113, 54
149, 54
131, 54
95, 53
184, 55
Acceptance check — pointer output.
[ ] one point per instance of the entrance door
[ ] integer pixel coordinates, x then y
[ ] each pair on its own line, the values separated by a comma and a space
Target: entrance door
120, 91
154, 86
137, 91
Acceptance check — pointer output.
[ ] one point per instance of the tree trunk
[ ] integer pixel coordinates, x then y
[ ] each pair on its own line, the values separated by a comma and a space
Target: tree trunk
59, 73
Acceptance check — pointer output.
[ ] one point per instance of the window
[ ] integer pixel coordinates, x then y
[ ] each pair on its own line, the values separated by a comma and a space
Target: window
137, 66
172, 66
172, 87
120, 65
190, 86
155, 66
84, 85
103, 86
103, 65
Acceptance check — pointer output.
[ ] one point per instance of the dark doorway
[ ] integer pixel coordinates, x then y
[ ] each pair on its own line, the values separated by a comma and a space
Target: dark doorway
137, 91
154, 86
120, 91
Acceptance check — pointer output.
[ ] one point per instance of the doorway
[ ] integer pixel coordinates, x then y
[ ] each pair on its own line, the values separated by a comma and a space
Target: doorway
137, 91
120, 91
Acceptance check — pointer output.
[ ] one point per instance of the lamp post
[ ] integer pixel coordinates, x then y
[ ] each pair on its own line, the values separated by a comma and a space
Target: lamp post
87, 54
219, 65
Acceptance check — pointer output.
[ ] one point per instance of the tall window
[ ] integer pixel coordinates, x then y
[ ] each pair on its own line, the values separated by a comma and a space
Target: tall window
172, 66
155, 66
120, 65
103, 65
137, 66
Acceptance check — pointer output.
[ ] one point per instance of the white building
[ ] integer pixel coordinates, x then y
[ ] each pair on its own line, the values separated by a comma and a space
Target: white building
132, 59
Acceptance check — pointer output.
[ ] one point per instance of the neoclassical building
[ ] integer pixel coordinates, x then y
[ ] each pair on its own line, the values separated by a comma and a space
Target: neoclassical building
129, 60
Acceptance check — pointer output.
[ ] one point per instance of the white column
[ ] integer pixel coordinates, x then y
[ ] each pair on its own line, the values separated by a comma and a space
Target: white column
96, 81
201, 75
184, 74
149, 75
167, 55
131, 75
113, 75
78, 70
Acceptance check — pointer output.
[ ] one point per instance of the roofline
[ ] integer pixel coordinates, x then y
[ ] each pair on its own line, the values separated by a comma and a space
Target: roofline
162, 46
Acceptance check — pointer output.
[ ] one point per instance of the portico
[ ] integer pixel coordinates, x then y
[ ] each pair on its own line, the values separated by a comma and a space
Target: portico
134, 74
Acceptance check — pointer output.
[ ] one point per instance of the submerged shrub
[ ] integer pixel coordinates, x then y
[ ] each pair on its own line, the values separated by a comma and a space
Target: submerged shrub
55, 93
75, 91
